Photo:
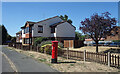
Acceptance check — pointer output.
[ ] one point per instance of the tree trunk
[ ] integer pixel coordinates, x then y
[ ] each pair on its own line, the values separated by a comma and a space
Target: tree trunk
96, 47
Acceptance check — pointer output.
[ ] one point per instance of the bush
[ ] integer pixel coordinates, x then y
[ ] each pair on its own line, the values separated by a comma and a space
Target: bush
60, 45
38, 40
45, 42
48, 49
42, 50
116, 40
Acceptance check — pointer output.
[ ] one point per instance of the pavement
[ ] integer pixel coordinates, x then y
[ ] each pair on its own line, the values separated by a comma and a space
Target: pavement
22, 63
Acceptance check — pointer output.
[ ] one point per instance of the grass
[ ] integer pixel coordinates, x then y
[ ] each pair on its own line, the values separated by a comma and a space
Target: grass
100, 69
71, 64
49, 64
42, 60
31, 55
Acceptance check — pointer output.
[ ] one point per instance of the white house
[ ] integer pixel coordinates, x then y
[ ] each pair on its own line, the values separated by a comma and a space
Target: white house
54, 28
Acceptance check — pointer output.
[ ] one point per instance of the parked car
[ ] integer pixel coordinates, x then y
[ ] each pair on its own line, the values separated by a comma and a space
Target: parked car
100, 44
115, 44
94, 44
107, 44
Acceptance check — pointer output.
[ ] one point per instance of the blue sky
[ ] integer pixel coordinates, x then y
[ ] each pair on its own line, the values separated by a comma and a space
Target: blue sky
15, 14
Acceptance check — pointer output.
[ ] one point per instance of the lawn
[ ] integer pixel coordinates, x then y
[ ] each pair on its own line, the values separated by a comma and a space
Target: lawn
93, 48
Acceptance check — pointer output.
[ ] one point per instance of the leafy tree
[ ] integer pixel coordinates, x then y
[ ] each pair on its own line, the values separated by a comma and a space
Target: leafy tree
13, 39
65, 18
79, 36
98, 26
9, 37
4, 34
0, 35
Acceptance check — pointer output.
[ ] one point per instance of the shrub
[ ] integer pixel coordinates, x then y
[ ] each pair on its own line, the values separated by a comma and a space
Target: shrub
48, 49
38, 40
60, 44
116, 40
50, 42
42, 50
45, 42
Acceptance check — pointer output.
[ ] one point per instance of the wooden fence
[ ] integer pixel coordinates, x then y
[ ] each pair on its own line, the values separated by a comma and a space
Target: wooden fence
95, 57
73, 43
103, 58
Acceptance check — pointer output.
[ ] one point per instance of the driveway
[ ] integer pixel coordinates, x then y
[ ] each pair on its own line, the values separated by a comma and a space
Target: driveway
22, 63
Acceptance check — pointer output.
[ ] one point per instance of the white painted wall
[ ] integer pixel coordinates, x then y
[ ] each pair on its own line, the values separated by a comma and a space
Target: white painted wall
23, 35
20, 40
53, 34
65, 30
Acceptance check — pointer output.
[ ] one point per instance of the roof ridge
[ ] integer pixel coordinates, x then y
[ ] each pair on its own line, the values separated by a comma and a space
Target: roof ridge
47, 19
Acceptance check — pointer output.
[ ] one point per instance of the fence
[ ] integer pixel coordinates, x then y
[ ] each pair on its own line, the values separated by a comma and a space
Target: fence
103, 58
73, 43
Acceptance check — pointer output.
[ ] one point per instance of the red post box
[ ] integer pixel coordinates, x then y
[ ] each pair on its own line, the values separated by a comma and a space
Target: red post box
54, 51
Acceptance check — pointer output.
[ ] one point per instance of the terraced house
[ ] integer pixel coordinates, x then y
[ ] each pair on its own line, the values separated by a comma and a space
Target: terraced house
19, 37
54, 28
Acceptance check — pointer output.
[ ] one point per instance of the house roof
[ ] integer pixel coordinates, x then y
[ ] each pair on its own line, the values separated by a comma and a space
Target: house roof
30, 23
38, 22
19, 32
54, 25
47, 19
92, 39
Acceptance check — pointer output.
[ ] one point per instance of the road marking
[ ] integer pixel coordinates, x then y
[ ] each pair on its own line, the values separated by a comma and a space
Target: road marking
10, 62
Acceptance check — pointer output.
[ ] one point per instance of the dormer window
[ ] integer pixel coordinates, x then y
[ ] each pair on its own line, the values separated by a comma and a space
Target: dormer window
40, 29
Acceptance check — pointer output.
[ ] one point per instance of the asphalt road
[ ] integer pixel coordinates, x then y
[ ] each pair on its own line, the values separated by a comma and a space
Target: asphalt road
22, 63
6, 66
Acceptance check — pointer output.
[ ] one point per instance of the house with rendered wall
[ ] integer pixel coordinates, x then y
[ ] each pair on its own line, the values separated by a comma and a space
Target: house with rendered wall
19, 37
54, 28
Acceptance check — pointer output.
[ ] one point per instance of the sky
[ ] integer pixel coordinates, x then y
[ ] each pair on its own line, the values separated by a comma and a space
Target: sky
15, 14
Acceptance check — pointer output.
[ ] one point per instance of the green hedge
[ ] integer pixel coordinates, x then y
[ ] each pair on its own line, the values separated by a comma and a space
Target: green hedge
116, 40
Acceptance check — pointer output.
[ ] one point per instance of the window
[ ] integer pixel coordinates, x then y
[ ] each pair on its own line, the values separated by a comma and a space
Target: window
24, 30
53, 30
26, 40
40, 29
27, 29
30, 29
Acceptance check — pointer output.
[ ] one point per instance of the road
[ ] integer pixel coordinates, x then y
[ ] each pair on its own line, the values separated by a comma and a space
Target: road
22, 63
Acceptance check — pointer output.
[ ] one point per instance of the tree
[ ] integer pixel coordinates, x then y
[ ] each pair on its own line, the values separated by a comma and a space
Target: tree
79, 36
0, 35
9, 37
13, 39
65, 18
98, 26
4, 34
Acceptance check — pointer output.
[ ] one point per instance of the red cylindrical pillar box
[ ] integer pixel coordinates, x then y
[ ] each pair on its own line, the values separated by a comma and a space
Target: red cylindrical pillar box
54, 51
